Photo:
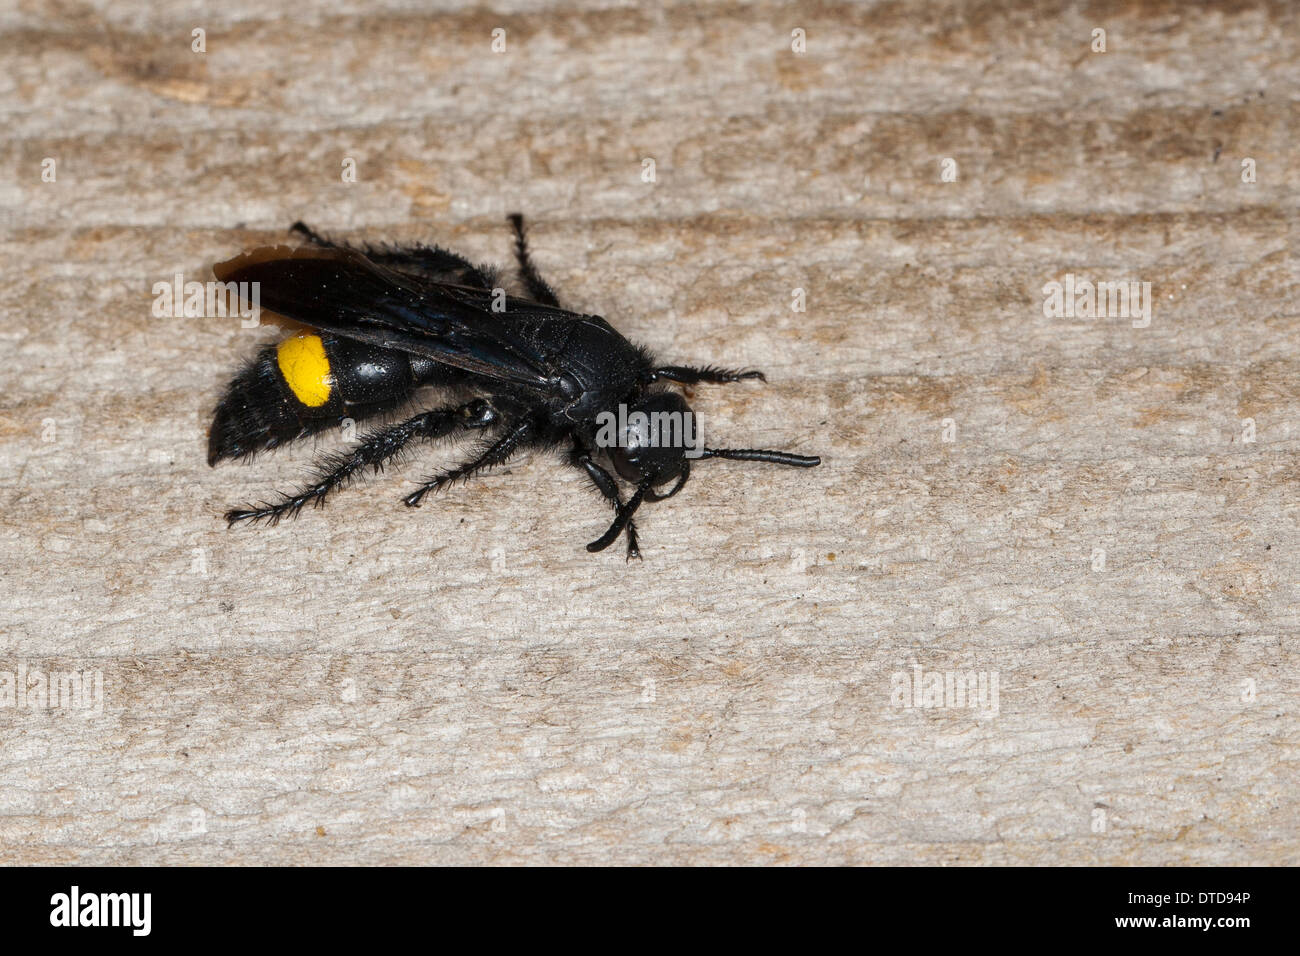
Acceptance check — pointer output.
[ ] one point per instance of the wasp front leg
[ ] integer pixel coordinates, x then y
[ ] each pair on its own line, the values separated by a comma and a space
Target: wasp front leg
608, 487
691, 375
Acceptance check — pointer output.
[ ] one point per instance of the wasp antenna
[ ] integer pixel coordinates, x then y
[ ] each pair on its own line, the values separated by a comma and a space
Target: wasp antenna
760, 454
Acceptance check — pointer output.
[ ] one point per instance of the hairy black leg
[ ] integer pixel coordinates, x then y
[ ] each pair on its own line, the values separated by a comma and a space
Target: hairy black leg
495, 454
538, 290
430, 262
690, 375
622, 520
434, 262
314, 237
608, 487
375, 449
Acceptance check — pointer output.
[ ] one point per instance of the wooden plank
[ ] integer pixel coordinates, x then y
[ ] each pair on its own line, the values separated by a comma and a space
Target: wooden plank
1110, 532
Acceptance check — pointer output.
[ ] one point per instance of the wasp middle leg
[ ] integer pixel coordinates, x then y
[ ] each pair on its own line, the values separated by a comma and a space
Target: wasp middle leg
494, 454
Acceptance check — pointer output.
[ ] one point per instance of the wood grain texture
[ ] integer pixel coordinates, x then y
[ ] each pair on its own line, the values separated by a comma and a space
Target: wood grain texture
465, 683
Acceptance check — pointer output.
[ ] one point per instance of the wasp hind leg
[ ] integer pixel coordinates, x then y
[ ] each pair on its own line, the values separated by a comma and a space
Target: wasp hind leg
375, 449
314, 237
429, 262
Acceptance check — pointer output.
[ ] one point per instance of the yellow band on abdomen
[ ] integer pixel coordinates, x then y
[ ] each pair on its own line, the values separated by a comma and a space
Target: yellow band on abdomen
306, 368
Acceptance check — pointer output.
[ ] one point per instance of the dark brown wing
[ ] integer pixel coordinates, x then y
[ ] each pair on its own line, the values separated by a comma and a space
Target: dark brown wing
341, 291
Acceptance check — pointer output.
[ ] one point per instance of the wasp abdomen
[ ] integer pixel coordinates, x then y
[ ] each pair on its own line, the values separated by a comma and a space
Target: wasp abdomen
364, 374
304, 385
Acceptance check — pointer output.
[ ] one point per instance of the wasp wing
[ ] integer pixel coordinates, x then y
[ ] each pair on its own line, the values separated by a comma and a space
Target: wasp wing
341, 291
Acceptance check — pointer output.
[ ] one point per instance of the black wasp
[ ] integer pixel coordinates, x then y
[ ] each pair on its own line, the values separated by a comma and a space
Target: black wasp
383, 322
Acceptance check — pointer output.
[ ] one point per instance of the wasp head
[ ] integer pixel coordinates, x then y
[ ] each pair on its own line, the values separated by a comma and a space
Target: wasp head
655, 438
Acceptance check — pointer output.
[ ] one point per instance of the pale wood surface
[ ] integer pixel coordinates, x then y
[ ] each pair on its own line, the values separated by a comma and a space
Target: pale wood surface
465, 683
